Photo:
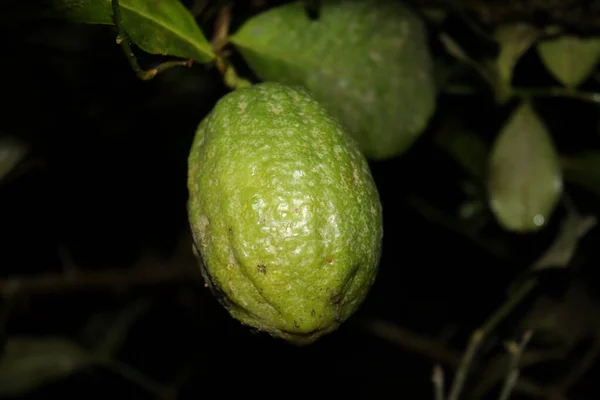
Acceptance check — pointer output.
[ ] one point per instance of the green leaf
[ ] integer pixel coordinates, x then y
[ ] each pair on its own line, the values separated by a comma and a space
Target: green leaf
570, 59
524, 176
466, 148
27, 363
514, 40
367, 62
12, 151
162, 27
583, 170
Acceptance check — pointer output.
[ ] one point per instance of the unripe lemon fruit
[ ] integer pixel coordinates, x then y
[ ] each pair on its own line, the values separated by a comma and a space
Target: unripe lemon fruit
284, 212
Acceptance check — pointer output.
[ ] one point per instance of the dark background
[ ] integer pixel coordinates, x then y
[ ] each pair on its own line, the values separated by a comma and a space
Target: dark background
104, 188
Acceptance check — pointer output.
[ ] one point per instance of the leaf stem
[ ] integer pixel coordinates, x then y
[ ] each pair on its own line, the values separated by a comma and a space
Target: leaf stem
508, 306
516, 351
465, 364
590, 97
123, 41
137, 377
219, 40
438, 382
433, 349
558, 92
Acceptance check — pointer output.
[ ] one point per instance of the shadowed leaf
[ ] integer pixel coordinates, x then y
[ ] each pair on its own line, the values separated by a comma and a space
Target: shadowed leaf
367, 62
28, 363
514, 40
466, 148
12, 151
583, 170
524, 176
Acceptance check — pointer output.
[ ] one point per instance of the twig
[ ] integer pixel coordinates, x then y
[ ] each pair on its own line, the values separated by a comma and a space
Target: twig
580, 369
220, 39
590, 97
515, 351
221, 29
411, 341
434, 350
123, 41
558, 92
509, 305
138, 378
465, 364
438, 382
495, 369
480, 334
434, 215
104, 280
454, 49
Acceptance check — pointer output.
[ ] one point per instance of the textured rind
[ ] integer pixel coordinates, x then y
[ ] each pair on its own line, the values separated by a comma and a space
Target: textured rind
367, 62
284, 212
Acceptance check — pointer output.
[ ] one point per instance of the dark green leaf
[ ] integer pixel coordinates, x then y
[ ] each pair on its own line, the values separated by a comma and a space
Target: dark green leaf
466, 148
163, 27
524, 181
28, 363
12, 151
368, 62
570, 59
583, 170
513, 40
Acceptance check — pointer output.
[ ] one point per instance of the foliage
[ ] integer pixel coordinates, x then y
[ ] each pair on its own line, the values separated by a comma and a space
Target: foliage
477, 132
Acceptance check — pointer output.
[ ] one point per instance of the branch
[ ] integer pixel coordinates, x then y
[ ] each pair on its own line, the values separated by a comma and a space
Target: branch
438, 352
101, 280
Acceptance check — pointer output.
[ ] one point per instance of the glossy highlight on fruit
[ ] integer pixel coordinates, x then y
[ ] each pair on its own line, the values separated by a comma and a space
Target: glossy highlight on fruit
284, 212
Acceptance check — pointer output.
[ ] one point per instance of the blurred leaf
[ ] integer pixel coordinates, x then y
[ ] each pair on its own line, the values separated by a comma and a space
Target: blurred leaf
435, 15
454, 48
162, 27
28, 363
467, 148
456, 225
12, 151
560, 253
583, 170
524, 176
367, 62
570, 59
106, 332
563, 322
514, 40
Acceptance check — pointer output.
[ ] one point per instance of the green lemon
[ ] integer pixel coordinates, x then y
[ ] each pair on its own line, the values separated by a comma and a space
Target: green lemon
284, 212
